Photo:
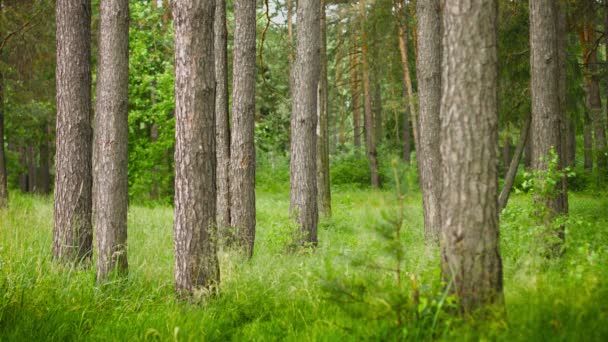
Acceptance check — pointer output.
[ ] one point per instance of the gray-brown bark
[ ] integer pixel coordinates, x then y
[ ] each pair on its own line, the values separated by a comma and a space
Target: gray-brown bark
44, 176
546, 114
3, 174
368, 114
303, 181
503, 199
562, 90
73, 232
587, 142
355, 93
242, 148
195, 232
323, 182
428, 70
222, 119
111, 133
400, 8
469, 144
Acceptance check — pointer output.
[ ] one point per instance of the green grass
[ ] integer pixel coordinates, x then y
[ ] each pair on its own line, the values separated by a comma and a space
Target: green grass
281, 295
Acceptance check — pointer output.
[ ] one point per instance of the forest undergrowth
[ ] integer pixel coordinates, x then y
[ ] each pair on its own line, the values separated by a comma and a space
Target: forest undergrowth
343, 290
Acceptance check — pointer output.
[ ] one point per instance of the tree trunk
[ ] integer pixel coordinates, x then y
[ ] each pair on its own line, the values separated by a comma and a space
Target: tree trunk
3, 174
195, 233
506, 154
403, 49
44, 176
303, 201
407, 137
32, 169
355, 92
429, 93
377, 107
73, 232
587, 142
323, 183
111, 134
562, 90
23, 173
242, 164
570, 143
546, 114
368, 115
503, 199
222, 119
469, 144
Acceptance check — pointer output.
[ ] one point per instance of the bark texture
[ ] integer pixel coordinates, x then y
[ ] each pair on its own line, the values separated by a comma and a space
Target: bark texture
546, 111
3, 175
355, 92
242, 162
111, 133
469, 120
323, 182
195, 233
222, 118
303, 181
73, 231
428, 70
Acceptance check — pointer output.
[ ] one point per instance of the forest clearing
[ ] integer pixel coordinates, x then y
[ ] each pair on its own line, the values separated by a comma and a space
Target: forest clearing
304, 170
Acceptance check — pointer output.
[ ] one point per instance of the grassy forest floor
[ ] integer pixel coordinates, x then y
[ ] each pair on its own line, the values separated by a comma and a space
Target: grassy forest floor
344, 290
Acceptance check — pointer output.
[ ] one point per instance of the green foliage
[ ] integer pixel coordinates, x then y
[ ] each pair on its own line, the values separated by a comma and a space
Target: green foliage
350, 168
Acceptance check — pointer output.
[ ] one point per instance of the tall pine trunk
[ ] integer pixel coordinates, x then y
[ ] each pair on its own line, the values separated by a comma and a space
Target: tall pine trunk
303, 181
355, 93
195, 233
429, 93
242, 148
73, 232
469, 144
222, 119
111, 134
323, 182
546, 114
3, 174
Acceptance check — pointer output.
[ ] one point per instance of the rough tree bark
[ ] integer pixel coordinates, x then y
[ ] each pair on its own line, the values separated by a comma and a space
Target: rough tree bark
73, 232
111, 134
222, 119
401, 13
469, 144
303, 182
546, 115
428, 70
242, 148
195, 233
3, 175
44, 176
323, 182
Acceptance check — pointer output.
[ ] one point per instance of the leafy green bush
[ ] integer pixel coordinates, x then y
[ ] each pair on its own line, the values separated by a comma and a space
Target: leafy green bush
350, 168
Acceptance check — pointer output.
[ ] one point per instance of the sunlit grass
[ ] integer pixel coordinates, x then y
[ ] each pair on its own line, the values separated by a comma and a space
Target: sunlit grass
279, 295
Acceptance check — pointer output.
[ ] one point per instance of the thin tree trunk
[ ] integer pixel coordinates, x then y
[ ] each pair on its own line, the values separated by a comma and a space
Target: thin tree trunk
111, 134
429, 92
469, 144
323, 183
562, 89
355, 92
242, 148
407, 136
570, 143
303, 196
23, 180
377, 106
587, 142
506, 154
44, 176
546, 115
222, 119
195, 233
3, 174
73, 232
32, 169
403, 49
503, 199
368, 115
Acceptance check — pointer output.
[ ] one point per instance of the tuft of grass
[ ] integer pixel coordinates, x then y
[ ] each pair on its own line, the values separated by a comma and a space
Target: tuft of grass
281, 295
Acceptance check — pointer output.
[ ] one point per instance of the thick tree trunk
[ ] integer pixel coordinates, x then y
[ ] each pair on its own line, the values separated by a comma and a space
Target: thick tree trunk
242, 148
110, 148
73, 232
469, 144
546, 114
429, 93
323, 183
3, 174
368, 114
222, 119
303, 197
195, 233
355, 92
503, 199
